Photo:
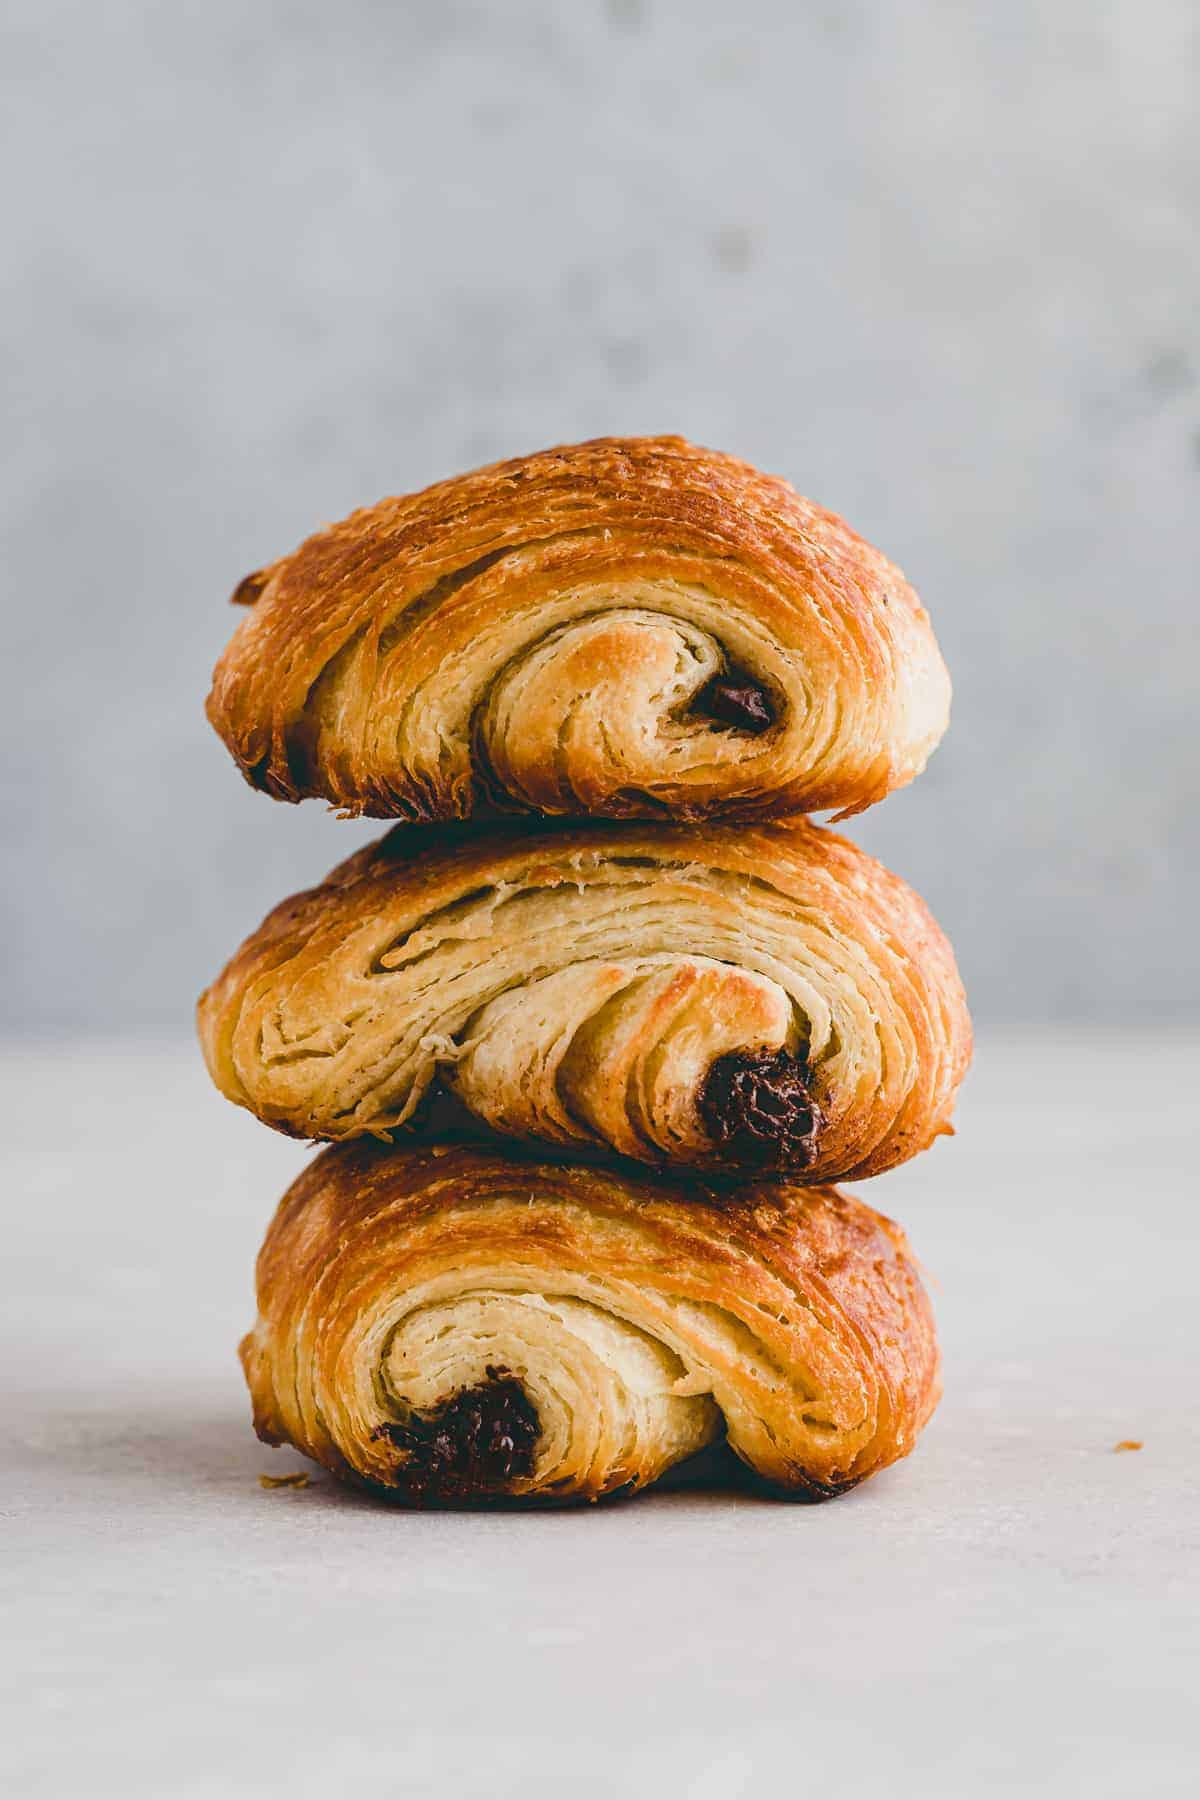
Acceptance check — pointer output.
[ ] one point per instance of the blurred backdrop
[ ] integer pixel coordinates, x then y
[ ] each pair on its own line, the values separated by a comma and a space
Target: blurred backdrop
937, 263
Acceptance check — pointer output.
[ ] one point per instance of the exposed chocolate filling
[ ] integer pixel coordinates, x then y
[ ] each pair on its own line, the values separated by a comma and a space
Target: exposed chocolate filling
478, 1443
758, 1106
733, 699
249, 588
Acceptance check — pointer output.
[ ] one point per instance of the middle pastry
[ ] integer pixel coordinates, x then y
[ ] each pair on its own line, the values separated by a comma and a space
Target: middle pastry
765, 996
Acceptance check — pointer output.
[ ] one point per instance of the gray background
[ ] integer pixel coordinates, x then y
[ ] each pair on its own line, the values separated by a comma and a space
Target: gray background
937, 263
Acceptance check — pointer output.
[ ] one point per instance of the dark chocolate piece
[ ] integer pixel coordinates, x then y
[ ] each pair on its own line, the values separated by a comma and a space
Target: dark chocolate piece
759, 1108
249, 588
733, 699
477, 1444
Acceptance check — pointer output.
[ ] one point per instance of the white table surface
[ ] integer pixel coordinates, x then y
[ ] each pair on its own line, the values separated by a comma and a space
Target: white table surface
1013, 1611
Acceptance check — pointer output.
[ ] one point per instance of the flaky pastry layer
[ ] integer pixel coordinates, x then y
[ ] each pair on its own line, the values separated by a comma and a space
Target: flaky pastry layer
455, 1325
629, 627
715, 996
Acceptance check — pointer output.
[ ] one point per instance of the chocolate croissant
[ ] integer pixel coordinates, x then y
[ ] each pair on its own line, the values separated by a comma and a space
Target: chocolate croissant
632, 627
722, 996
452, 1324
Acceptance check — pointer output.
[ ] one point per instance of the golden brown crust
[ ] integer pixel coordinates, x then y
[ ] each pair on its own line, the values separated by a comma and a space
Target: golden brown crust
594, 985
621, 1324
628, 627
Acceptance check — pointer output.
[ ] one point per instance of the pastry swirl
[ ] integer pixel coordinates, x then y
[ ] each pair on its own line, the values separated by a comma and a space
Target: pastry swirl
455, 1325
765, 996
626, 628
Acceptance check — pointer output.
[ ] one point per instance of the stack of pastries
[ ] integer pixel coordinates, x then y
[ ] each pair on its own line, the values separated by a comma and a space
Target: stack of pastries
591, 1029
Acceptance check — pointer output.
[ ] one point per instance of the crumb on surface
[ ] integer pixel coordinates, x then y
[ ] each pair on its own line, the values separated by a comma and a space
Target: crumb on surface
298, 1480
1129, 1444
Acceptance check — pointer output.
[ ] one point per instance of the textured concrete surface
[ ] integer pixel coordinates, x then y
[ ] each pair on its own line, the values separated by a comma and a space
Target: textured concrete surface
938, 264
1015, 1610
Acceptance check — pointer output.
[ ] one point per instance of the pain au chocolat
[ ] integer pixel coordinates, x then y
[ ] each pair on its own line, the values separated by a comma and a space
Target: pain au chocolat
632, 627
758, 996
450, 1325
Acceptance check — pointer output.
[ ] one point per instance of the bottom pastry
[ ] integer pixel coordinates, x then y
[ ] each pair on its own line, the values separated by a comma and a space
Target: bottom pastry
452, 1325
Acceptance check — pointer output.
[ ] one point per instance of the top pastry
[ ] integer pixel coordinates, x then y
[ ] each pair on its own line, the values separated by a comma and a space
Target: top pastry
631, 627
